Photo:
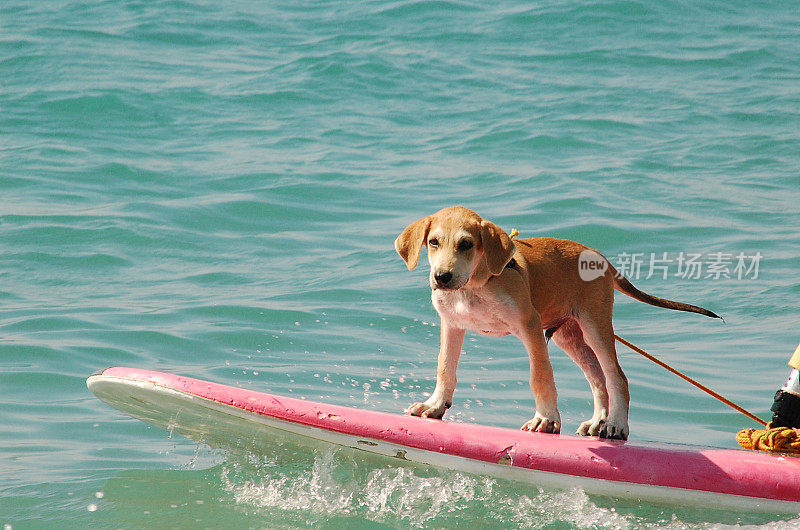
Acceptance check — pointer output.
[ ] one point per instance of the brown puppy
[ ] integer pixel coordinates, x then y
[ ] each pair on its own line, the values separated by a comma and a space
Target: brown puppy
483, 281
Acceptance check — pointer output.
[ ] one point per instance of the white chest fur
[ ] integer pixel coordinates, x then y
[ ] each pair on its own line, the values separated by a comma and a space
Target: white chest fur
475, 310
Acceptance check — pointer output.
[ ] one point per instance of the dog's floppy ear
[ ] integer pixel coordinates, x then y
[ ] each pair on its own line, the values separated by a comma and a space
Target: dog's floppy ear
409, 243
498, 249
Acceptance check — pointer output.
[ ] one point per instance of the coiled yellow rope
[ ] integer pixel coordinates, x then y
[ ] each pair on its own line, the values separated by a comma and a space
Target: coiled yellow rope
775, 439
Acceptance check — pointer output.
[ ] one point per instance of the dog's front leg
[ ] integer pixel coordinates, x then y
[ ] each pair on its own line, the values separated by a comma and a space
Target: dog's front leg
452, 339
547, 418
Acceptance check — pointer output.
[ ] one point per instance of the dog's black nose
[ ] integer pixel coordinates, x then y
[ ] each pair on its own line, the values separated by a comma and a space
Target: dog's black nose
443, 278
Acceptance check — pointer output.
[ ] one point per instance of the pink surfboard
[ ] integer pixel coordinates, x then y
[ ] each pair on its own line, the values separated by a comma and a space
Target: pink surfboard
223, 416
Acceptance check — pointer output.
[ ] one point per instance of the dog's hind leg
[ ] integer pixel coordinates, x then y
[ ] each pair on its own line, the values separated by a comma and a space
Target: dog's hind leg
569, 338
598, 333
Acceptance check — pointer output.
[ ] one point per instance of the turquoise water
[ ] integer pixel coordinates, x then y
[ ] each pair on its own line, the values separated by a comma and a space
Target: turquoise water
213, 189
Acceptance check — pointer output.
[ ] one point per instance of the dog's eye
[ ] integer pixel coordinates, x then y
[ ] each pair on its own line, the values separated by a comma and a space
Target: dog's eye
434, 243
464, 245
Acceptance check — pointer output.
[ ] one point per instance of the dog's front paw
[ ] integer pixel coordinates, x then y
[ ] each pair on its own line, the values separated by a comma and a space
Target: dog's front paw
428, 409
615, 430
544, 423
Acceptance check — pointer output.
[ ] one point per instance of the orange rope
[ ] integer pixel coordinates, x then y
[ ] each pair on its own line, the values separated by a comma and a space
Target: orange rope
690, 380
775, 439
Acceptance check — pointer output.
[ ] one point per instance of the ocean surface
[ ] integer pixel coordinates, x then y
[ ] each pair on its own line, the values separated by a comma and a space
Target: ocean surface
213, 189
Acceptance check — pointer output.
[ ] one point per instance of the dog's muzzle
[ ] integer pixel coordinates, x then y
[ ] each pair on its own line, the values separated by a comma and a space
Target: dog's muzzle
443, 279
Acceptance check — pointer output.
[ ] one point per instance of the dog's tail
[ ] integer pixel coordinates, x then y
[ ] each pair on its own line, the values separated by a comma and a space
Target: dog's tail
624, 286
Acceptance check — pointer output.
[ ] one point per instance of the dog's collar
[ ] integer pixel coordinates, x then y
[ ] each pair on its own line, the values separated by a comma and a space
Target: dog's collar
512, 264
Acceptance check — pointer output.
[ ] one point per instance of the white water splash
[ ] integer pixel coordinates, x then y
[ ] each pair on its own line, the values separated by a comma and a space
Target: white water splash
337, 485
